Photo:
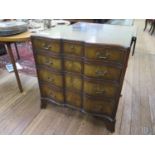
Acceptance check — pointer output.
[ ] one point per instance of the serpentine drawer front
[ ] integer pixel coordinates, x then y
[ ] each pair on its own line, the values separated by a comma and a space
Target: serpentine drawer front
73, 82
50, 77
73, 99
103, 53
54, 63
102, 71
73, 49
98, 106
72, 66
51, 93
100, 89
81, 70
47, 44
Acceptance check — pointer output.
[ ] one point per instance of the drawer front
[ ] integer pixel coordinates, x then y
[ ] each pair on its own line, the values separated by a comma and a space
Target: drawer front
51, 93
105, 54
54, 63
73, 82
73, 49
99, 89
49, 45
98, 106
73, 66
50, 77
73, 99
106, 72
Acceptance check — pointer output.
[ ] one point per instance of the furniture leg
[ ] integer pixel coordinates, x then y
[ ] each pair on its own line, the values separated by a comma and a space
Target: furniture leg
111, 126
145, 24
151, 27
14, 66
153, 24
18, 56
43, 104
131, 42
134, 41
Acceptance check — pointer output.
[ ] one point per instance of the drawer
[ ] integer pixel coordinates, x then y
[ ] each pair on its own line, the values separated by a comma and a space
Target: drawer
98, 106
103, 53
47, 44
73, 99
54, 63
102, 71
52, 93
73, 82
48, 76
73, 66
71, 48
100, 89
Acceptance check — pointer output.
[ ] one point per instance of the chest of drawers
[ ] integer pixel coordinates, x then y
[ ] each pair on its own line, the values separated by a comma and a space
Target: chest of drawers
80, 75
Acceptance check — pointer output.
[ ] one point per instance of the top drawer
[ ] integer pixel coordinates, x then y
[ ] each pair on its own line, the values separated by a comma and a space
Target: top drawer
47, 44
105, 53
73, 48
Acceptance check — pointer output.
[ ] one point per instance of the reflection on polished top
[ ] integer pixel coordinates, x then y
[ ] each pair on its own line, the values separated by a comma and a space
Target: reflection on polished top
92, 33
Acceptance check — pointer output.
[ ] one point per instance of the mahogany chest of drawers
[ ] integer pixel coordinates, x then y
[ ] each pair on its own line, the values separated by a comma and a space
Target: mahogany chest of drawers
82, 75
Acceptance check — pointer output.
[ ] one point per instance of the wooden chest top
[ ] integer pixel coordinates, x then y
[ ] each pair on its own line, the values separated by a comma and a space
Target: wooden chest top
92, 33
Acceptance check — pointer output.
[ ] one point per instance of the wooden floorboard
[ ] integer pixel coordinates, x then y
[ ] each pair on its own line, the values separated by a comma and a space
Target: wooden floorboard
146, 125
135, 120
20, 113
18, 110
151, 90
127, 100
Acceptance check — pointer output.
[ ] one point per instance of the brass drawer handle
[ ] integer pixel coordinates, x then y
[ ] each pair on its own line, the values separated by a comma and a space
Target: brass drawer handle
102, 56
100, 92
50, 79
72, 47
46, 47
99, 73
48, 62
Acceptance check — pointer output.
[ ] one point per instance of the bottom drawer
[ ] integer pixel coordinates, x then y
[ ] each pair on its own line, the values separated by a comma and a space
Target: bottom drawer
52, 93
98, 106
73, 99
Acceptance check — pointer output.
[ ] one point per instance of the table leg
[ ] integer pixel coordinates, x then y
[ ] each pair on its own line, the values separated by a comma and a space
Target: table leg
134, 40
146, 21
18, 57
153, 27
14, 66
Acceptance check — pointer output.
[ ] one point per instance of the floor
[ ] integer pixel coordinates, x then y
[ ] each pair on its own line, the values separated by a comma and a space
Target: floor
21, 114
